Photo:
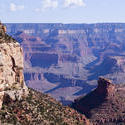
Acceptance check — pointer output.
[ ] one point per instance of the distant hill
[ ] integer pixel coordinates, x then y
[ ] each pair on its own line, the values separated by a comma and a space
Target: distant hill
104, 105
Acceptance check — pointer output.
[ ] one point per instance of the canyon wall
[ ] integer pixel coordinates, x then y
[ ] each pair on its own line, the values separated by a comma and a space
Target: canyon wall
65, 60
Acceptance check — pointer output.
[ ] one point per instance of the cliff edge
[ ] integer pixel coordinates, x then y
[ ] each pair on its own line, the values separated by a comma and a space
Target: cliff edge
12, 83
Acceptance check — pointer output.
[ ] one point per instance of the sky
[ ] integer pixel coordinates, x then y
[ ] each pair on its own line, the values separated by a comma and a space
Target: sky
62, 11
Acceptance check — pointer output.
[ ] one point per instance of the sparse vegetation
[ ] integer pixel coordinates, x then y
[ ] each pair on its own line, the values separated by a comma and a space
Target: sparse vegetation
39, 109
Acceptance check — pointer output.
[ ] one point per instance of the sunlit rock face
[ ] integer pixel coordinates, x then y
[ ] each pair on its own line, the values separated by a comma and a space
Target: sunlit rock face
11, 67
11, 64
73, 54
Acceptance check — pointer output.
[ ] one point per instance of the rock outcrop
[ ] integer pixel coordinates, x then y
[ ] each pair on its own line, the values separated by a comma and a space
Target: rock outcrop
105, 87
12, 83
104, 105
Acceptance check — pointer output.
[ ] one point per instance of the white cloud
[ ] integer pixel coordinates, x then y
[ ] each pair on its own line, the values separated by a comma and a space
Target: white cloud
47, 4
73, 3
52, 4
14, 7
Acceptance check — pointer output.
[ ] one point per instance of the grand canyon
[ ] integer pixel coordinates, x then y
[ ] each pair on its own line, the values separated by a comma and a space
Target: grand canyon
65, 60
20, 105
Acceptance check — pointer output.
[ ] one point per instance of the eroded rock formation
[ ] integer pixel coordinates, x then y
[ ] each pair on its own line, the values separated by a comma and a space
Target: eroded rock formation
11, 68
105, 87
104, 105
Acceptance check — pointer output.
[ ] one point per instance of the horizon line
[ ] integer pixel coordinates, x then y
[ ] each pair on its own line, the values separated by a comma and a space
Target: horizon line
62, 23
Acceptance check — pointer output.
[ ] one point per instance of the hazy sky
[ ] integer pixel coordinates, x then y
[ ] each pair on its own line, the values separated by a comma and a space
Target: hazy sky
62, 11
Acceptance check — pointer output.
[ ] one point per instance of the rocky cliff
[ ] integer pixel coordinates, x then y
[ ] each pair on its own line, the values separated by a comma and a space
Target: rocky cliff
12, 83
104, 105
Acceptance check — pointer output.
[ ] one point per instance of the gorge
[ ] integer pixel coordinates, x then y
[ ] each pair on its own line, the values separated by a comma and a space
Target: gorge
65, 60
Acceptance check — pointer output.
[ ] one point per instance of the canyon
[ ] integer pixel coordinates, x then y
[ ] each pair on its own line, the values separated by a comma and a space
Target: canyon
65, 60
21, 105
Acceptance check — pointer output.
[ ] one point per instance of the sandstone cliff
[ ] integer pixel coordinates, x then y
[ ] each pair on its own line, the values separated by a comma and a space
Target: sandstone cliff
12, 83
